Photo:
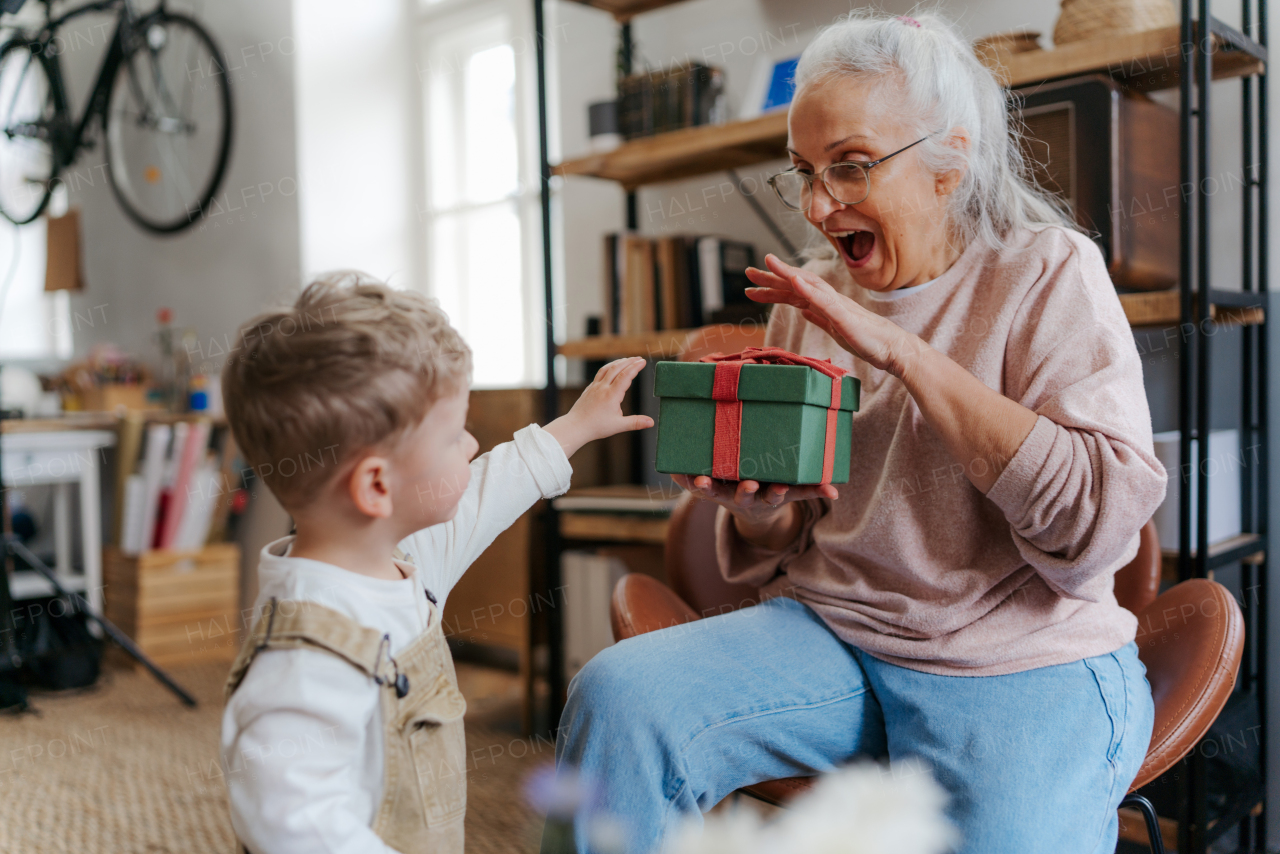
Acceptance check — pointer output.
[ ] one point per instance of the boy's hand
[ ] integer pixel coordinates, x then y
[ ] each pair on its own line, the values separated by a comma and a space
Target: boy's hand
598, 412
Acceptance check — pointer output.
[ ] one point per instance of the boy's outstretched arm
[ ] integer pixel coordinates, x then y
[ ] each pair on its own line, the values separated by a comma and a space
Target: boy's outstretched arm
597, 414
506, 481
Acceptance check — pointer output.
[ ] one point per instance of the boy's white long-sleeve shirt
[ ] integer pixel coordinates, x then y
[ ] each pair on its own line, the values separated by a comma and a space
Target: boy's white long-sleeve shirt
302, 744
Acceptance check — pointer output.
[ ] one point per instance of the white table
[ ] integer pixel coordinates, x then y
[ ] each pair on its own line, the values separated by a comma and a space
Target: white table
62, 458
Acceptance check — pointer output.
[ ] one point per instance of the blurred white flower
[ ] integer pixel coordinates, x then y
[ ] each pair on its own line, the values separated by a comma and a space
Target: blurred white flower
865, 808
733, 832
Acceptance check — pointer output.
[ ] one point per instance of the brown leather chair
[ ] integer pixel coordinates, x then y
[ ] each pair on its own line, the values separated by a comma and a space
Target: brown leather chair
1190, 638
721, 338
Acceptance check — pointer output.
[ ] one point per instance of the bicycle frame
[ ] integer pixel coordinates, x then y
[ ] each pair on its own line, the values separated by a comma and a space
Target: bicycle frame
69, 146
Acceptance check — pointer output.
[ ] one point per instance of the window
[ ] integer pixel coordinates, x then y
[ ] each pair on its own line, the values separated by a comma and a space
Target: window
33, 324
481, 223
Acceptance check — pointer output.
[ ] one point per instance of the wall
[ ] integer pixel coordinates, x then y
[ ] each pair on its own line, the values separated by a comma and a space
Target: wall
356, 124
727, 33
242, 257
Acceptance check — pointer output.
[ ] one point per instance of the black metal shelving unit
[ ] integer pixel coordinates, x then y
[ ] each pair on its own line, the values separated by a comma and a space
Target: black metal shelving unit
1197, 557
551, 392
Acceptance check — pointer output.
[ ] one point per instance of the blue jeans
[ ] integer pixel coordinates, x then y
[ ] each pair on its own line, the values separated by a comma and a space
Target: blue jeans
670, 722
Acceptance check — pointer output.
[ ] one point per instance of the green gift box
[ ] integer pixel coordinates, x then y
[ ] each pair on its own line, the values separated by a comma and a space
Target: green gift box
782, 430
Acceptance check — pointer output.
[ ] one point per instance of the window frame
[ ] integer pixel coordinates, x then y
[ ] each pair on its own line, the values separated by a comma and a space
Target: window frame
433, 21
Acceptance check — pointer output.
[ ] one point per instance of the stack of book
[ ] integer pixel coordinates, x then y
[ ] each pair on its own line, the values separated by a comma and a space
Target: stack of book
174, 494
680, 282
682, 96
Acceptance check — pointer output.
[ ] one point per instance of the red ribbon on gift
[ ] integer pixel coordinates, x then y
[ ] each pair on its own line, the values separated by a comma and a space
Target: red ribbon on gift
724, 391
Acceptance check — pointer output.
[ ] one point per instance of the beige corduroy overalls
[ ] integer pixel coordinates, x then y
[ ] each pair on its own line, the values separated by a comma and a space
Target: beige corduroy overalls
424, 781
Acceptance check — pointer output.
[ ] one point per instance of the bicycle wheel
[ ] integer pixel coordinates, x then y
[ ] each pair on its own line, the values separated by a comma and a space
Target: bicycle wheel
28, 121
168, 124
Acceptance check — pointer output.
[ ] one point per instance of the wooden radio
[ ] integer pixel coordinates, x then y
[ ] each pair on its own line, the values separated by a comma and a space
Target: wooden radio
1113, 155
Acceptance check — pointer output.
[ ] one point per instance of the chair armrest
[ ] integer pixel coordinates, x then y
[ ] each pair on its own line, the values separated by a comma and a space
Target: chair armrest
643, 604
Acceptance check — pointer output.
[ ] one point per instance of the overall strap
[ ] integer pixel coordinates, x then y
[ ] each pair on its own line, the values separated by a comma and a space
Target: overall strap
296, 624
401, 555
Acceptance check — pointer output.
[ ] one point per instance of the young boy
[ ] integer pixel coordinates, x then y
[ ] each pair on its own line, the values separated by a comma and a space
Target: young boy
343, 725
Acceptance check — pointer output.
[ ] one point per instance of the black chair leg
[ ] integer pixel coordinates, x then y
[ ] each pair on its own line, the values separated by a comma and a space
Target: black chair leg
1149, 816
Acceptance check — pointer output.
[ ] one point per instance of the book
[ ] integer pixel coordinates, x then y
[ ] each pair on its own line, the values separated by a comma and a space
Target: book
612, 285
1223, 465
683, 95
663, 488
154, 466
171, 464
128, 448
187, 457
675, 282
131, 525
589, 580
197, 515
224, 487
722, 270
162, 513
722, 267
669, 260
710, 267
637, 314
735, 257
179, 494
693, 279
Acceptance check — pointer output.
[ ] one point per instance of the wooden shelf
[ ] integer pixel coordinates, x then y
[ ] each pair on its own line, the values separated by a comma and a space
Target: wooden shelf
651, 345
685, 153
1146, 61
1161, 308
56, 424
1169, 557
613, 527
1143, 61
1155, 308
99, 421
624, 10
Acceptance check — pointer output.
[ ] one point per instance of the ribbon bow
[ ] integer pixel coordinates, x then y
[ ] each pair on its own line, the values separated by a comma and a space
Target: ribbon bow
724, 391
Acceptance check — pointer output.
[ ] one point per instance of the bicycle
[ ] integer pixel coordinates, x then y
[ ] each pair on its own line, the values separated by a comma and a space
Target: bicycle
162, 100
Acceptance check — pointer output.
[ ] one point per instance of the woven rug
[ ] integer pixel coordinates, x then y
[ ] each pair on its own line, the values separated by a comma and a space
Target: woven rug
124, 768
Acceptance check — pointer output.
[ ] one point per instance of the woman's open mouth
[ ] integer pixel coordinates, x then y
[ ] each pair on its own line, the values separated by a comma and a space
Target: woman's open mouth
855, 246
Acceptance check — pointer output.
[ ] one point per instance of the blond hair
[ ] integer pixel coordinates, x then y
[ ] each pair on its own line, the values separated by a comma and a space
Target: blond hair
349, 366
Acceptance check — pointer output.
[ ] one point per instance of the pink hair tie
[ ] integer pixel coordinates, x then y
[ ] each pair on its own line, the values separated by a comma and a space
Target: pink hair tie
912, 21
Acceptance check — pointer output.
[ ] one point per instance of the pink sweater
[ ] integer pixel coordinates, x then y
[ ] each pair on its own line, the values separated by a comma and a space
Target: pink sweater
912, 563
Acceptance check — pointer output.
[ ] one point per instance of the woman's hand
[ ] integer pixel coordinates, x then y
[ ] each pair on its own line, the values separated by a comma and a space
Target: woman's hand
763, 515
876, 340
598, 410
980, 427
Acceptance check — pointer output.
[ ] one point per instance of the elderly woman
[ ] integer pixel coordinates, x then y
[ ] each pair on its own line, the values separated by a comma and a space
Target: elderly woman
952, 604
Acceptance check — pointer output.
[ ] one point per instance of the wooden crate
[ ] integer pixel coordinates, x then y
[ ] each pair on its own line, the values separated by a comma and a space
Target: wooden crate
109, 398
179, 607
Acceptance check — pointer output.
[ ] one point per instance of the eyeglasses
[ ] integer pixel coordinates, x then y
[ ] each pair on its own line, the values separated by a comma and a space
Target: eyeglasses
848, 182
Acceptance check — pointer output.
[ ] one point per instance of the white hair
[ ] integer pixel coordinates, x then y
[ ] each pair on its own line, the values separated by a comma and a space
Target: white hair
945, 87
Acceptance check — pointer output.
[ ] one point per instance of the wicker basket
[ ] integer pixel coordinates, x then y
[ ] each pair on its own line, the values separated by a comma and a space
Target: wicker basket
1088, 19
996, 49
